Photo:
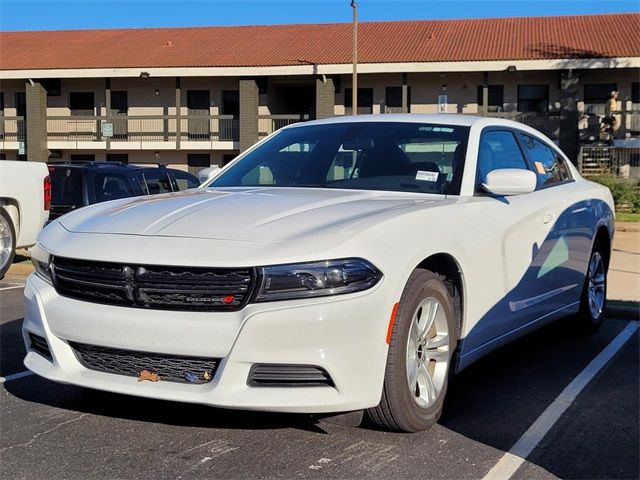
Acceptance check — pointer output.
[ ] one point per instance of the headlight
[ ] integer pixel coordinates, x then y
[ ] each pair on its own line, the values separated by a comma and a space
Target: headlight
42, 263
316, 279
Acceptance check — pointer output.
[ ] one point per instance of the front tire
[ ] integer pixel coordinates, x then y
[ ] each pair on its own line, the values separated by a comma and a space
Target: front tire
423, 340
594, 292
7, 242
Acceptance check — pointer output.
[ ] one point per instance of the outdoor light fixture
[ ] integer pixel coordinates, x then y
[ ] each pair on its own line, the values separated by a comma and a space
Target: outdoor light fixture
157, 92
144, 75
511, 68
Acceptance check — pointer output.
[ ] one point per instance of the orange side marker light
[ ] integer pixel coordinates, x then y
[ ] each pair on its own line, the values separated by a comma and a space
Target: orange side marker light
391, 322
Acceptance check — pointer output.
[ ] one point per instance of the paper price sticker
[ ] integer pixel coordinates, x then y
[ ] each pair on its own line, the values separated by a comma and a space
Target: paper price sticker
427, 176
540, 168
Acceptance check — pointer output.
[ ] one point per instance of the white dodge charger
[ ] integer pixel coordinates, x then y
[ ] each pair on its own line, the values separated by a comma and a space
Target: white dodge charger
339, 265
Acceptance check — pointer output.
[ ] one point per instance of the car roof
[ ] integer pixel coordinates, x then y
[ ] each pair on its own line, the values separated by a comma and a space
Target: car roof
462, 120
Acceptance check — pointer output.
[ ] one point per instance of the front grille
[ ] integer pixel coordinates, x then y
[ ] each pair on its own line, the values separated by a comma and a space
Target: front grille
285, 375
153, 286
171, 368
40, 345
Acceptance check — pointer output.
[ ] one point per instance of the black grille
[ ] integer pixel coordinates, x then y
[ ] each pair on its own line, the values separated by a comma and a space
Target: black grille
171, 368
153, 286
40, 345
284, 375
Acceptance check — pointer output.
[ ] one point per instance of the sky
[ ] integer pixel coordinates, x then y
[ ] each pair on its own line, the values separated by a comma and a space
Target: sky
79, 14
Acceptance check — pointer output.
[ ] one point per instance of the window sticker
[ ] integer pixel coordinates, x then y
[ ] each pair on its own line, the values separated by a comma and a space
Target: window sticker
540, 168
427, 176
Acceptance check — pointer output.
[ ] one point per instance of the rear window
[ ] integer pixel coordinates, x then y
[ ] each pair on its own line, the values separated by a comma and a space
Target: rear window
111, 186
66, 187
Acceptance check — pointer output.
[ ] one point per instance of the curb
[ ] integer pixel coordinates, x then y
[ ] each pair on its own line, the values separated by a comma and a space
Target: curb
630, 313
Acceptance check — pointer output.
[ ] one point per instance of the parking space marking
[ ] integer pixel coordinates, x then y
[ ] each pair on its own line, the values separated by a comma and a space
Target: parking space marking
15, 376
11, 287
514, 458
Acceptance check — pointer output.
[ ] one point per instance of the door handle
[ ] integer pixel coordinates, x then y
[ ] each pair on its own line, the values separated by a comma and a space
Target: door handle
548, 218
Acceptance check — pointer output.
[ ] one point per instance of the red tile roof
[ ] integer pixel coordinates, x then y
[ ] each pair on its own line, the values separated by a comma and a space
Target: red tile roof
592, 36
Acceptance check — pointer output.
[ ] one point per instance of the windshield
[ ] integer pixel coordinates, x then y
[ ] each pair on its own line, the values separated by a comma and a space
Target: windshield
409, 157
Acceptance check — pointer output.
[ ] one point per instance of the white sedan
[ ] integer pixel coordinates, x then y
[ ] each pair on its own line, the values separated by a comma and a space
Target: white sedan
339, 265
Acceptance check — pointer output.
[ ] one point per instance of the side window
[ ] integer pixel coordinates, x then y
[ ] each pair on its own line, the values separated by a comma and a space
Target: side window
185, 180
549, 166
66, 187
157, 182
498, 149
110, 186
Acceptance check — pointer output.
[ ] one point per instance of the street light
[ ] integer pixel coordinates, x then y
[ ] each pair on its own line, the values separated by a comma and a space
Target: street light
354, 81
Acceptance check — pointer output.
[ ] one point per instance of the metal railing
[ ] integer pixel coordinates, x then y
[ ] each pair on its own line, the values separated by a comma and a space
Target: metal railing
600, 160
268, 124
139, 128
545, 122
12, 129
590, 125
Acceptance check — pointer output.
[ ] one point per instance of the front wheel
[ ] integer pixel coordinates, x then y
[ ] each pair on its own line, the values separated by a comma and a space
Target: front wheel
423, 339
7, 242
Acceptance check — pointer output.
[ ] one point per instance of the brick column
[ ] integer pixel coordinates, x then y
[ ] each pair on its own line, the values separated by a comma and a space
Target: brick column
325, 97
569, 136
36, 122
248, 112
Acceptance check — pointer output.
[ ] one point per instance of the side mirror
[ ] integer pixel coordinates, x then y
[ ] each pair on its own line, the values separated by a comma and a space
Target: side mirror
510, 181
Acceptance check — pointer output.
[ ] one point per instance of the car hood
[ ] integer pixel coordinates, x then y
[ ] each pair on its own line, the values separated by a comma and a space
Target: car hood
250, 214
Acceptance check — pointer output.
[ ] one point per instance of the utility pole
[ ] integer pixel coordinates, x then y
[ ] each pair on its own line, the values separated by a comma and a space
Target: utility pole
354, 81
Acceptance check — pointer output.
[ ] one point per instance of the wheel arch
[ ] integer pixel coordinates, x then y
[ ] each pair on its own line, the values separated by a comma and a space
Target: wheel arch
603, 236
12, 207
447, 266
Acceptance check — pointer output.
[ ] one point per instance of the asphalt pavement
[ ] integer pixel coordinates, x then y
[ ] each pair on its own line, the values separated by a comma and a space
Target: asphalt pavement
48, 430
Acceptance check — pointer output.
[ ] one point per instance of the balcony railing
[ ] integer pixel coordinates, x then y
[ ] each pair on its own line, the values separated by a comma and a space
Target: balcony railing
12, 129
267, 124
132, 128
545, 122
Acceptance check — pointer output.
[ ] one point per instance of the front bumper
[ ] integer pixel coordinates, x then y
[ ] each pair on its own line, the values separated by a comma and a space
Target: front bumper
345, 335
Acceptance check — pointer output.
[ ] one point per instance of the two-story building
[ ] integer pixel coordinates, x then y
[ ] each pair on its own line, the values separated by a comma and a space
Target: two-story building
192, 97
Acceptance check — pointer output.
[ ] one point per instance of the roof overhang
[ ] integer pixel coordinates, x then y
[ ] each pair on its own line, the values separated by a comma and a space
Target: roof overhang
336, 69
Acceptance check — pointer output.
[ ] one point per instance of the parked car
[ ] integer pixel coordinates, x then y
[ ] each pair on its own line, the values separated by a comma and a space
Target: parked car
78, 184
341, 265
25, 195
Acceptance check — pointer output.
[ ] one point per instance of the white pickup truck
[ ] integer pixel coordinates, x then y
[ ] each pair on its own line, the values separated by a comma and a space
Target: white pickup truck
25, 198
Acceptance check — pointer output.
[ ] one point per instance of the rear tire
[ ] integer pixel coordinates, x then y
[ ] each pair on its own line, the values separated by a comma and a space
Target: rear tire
7, 242
594, 292
423, 340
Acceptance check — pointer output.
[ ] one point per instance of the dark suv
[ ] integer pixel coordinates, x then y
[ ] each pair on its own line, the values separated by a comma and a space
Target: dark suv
78, 184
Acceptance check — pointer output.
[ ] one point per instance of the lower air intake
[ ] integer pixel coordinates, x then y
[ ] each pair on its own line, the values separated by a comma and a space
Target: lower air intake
40, 345
170, 368
286, 375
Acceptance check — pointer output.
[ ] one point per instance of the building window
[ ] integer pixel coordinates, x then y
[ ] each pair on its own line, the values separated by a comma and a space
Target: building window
81, 103
202, 160
393, 99
228, 157
496, 98
365, 101
533, 98
596, 96
635, 92
118, 157
83, 157
52, 86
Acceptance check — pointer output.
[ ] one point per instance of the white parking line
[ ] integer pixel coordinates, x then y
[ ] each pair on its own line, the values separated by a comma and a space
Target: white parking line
15, 376
514, 458
11, 287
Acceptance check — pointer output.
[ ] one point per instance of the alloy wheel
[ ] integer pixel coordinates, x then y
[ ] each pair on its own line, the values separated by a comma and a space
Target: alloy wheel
427, 352
596, 288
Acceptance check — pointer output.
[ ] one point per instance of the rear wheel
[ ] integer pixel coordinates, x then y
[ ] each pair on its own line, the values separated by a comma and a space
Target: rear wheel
594, 292
422, 343
7, 242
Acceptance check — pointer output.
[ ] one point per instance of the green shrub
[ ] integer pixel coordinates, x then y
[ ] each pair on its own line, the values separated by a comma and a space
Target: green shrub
626, 192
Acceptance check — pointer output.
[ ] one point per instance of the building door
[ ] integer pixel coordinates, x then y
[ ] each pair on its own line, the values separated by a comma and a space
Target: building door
229, 128
198, 102
119, 111
21, 125
365, 101
82, 104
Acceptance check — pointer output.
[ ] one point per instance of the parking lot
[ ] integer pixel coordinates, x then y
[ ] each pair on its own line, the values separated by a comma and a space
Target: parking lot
59, 431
